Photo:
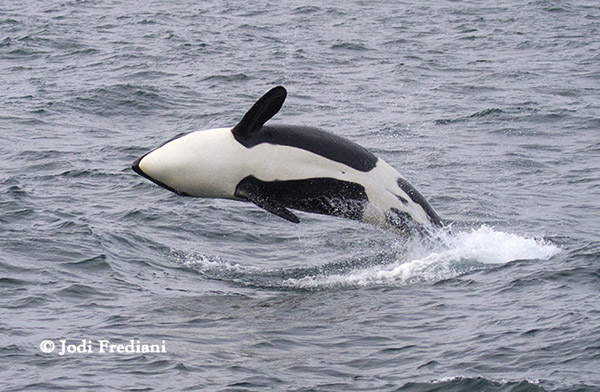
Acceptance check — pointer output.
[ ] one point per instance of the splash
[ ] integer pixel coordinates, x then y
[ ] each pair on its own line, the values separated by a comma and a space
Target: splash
214, 268
443, 257
447, 256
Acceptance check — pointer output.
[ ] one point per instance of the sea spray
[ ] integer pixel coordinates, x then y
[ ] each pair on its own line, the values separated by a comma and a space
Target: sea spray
444, 257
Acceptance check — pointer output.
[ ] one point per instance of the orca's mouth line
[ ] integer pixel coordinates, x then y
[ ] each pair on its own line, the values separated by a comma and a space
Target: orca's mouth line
136, 168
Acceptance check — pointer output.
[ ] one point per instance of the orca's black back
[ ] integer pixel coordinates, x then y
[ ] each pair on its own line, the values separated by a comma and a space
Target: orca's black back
315, 140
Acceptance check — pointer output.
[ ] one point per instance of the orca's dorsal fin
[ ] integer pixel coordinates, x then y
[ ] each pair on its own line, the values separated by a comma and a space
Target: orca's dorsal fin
265, 108
250, 189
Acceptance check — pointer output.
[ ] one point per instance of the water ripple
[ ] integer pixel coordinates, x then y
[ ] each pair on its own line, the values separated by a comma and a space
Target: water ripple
490, 109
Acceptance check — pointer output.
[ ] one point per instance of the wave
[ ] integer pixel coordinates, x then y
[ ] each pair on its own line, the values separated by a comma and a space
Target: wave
446, 256
482, 113
461, 383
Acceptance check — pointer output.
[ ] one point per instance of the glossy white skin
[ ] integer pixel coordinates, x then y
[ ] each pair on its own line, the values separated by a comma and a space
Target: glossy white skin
211, 163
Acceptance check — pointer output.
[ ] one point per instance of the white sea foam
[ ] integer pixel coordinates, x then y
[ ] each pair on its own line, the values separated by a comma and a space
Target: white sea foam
443, 257
204, 263
449, 256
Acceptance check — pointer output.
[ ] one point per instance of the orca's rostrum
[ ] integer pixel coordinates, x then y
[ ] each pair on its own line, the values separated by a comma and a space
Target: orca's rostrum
283, 167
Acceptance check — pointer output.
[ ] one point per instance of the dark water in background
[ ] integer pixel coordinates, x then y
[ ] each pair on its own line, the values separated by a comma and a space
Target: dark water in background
491, 109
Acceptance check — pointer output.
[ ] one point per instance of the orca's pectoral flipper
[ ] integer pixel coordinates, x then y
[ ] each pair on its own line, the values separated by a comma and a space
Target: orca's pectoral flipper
265, 108
249, 190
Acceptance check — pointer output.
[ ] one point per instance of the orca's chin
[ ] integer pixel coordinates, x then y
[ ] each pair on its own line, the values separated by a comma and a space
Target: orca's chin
136, 168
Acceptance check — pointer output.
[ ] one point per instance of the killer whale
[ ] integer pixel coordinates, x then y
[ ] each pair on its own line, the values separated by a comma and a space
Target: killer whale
283, 167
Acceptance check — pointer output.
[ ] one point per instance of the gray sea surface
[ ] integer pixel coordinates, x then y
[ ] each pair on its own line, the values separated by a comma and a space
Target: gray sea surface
491, 109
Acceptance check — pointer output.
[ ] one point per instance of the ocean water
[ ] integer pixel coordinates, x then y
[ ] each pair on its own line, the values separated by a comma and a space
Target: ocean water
491, 109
